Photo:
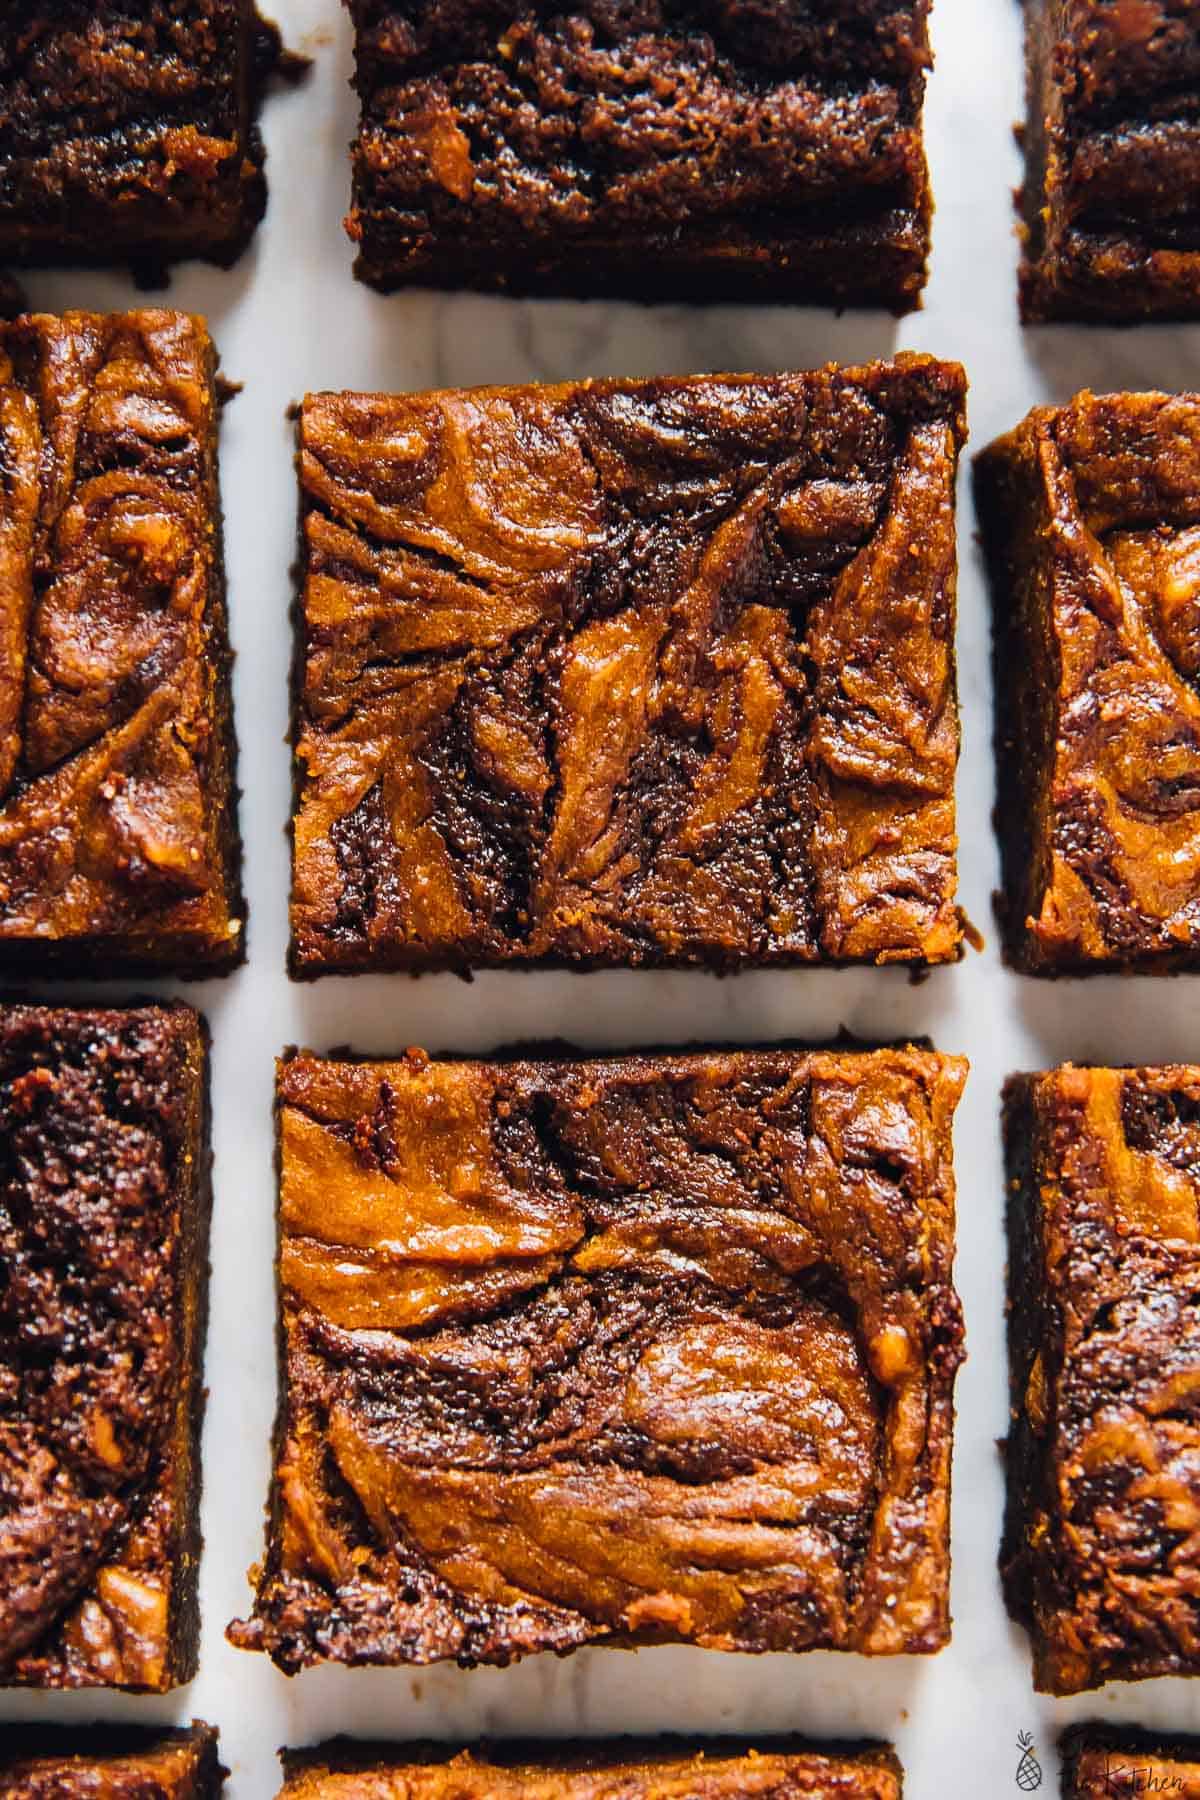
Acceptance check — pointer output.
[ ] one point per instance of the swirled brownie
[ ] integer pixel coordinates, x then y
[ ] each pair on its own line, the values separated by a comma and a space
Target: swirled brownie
104, 1203
1119, 1763
118, 833
98, 1763
645, 1350
623, 1769
127, 130
1112, 150
657, 149
1091, 523
1100, 1555
623, 672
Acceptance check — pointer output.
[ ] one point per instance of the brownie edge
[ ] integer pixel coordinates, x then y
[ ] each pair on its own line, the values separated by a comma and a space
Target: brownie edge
98, 1762
1121, 1762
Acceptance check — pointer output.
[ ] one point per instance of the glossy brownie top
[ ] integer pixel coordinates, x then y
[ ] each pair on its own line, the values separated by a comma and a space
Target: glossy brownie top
651, 1349
630, 672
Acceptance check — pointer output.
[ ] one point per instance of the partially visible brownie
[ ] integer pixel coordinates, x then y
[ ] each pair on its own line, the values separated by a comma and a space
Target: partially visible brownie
104, 1207
101, 1763
1103, 1762
1100, 1559
669, 149
118, 832
621, 1769
629, 672
1111, 200
129, 130
644, 1350
1091, 523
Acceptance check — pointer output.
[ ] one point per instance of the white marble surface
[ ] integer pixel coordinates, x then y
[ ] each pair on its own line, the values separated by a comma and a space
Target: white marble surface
290, 318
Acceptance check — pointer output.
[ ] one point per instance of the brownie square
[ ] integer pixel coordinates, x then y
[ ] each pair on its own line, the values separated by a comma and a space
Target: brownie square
1101, 1761
620, 1769
675, 149
118, 832
645, 1350
104, 1208
1091, 524
104, 1763
1112, 151
1100, 1553
129, 130
629, 672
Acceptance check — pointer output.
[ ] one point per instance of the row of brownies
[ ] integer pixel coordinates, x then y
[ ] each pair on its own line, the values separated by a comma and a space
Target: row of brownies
632, 1350
676, 149
617, 673
1098, 1763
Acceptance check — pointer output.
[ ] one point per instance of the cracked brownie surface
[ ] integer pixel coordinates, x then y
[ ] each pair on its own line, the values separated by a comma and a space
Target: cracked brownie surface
1091, 523
104, 1205
98, 1763
118, 837
127, 130
621, 1769
694, 149
643, 1350
1112, 145
1100, 1553
629, 672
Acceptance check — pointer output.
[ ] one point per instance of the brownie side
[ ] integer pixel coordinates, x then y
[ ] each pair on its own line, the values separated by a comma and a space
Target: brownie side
104, 1224
1100, 1760
1098, 1560
1112, 222
1090, 515
563, 1341
129, 130
118, 834
677, 149
621, 673
618, 1769
110, 1763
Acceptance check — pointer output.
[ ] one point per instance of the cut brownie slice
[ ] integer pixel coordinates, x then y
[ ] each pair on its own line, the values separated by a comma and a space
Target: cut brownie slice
1111, 200
98, 1763
686, 149
104, 1205
129, 130
621, 1769
629, 672
118, 835
1091, 523
656, 1349
1103, 1762
1100, 1557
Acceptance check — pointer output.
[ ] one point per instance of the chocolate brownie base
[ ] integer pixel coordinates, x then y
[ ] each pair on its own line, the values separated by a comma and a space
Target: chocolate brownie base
1120, 1763
103, 1763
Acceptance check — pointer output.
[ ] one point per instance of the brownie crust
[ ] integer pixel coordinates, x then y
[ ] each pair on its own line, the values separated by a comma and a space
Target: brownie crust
1100, 1762
104, 1209
621, 1769
644, 1350
1111, 215
693, 150
118, 834
1090, 517
1099, 1557
105, 1763
621, 673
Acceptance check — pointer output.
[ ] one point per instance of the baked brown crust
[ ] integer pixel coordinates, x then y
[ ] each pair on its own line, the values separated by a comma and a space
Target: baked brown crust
653, 672
97, 1763
687, 149
104, 1208
118, 834
1099, 1558
562, 1342
130, 130
1100, 1762
1112, 220
623, 1769
1091, 524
